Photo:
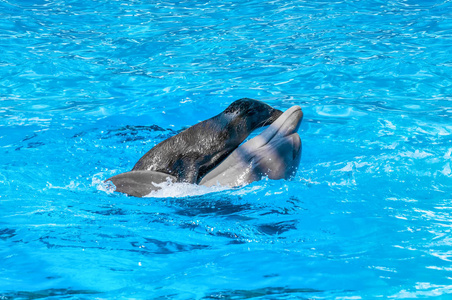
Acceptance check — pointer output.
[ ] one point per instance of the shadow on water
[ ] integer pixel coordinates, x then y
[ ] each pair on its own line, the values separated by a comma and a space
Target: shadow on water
277, 228
200, 206
131, 133
300, 293
113, 211
134, 133
7, 233
58, 293
166, 247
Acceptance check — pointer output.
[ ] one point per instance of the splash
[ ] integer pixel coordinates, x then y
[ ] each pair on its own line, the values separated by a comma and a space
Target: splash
169, 189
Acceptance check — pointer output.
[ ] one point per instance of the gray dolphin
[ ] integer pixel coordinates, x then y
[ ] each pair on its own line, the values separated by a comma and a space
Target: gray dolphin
275, 153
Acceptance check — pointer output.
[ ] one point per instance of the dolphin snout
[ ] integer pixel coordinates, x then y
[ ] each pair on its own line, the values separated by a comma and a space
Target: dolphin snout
290, 121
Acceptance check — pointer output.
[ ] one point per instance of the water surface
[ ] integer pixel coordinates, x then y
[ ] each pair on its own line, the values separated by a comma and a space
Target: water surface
87, 87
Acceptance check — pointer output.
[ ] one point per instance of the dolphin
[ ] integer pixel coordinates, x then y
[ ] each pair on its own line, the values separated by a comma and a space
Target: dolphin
275, 153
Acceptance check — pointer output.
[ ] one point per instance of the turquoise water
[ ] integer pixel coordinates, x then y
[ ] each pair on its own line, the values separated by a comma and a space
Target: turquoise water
87, 87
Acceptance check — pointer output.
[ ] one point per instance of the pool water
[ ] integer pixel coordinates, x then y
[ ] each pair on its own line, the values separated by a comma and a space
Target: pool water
87, 87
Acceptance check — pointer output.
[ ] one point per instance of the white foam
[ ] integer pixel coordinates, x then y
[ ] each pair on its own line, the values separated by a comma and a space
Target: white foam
169, 189
101, 184
446, 170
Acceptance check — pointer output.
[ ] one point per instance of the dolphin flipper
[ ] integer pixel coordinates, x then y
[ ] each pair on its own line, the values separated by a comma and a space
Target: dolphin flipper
139, 183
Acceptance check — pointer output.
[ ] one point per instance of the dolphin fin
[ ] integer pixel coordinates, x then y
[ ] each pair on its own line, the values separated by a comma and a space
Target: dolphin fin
139, 183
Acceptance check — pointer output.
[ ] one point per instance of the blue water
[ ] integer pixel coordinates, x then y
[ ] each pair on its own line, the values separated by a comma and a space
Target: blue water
87, 87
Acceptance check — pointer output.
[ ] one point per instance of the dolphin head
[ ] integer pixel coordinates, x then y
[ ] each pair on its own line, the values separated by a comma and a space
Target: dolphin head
249, 114
274, 153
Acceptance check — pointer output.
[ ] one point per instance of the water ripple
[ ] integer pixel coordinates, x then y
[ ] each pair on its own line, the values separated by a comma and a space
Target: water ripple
88, 87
